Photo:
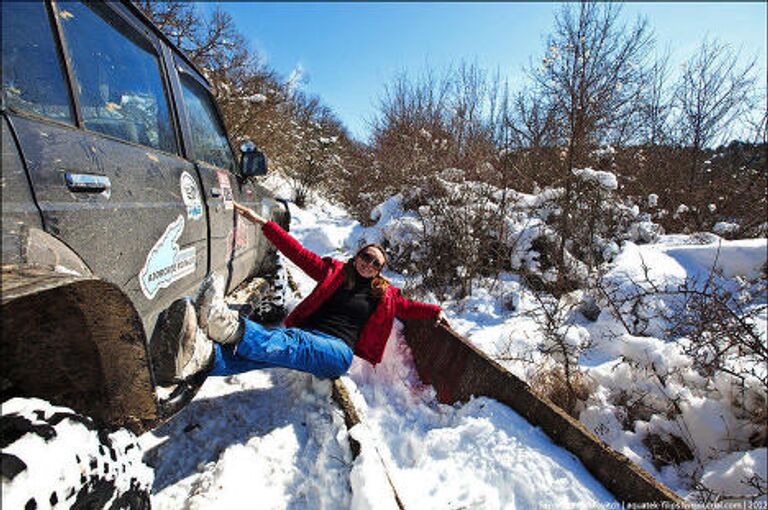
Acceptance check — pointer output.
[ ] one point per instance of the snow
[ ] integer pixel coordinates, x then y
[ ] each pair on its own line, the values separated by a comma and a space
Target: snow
735, 469
477, 455
745, 257
605, 180
725, 228
264, 439
255, 98
273, 439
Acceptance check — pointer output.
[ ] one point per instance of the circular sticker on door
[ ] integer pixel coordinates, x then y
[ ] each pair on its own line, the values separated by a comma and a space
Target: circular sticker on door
190, 194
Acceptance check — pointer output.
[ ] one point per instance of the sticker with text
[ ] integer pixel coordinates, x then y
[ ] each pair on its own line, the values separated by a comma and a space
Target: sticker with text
190, 193
165, 262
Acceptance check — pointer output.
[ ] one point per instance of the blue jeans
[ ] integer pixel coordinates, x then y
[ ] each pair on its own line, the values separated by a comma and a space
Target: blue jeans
318, 353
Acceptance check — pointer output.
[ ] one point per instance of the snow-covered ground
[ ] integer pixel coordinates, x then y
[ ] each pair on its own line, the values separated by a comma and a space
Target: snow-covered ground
265, 439
648, 394
274, 439
477, 455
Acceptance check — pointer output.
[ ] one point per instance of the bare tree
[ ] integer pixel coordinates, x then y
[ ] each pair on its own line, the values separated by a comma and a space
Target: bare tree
528, 136
213, 43
300, 134
592, 74
656, 103
713, 92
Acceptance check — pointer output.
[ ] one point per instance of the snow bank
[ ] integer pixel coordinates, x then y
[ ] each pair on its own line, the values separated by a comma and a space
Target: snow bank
477, 455
745, 258
732, 473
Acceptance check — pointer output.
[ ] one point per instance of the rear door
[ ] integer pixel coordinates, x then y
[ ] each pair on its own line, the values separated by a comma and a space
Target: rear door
113, 186
233, 241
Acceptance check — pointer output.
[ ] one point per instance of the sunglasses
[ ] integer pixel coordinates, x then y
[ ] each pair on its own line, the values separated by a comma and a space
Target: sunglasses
371, 260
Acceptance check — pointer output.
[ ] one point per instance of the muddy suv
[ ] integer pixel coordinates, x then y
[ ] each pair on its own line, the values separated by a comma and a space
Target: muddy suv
118, 181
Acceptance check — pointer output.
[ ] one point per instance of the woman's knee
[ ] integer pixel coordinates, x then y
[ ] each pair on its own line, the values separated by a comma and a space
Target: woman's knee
341, 365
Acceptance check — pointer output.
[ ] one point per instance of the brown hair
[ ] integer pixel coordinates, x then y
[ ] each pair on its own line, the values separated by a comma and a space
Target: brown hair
379, 284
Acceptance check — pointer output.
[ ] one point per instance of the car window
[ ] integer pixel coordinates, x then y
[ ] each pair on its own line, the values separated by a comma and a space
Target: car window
208, 136
120, 85
33, 76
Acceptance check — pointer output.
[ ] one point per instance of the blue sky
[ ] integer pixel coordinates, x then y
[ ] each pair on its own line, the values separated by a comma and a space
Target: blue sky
348, 51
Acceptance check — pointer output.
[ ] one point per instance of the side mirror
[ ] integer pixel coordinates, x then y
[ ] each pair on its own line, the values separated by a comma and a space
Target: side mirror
253, 162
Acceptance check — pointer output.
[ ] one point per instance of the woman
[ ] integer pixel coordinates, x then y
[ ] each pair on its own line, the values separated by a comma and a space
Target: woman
350, 311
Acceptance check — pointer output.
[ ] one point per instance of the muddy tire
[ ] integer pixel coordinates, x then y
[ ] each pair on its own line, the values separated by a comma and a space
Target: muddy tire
53, 457
269, 306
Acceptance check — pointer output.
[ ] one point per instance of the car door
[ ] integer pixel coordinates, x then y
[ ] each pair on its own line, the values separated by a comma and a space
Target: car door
233, 241
113, 186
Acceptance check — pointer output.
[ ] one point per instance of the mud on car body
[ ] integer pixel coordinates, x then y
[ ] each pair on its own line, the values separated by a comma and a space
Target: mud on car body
118, 180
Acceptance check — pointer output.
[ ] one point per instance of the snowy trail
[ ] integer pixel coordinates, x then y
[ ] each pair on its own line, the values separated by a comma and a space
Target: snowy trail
273, 438
477, 455
266, 439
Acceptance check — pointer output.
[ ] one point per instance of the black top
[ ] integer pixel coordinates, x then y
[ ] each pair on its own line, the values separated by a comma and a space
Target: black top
345, 313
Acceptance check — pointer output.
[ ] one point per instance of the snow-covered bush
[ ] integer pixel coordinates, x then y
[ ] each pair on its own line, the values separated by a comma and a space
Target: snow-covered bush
582, 227
453, 240
452, 231
692, 380
557, 375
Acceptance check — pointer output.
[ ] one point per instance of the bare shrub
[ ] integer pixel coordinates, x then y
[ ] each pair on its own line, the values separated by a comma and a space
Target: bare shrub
633, 406
756, 489
556, 374
567, 392
460, 236
600, 221
720, 328
716, 322
667, 449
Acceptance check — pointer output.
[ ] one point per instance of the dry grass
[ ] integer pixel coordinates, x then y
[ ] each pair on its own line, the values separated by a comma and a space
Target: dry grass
552, 383
667, 449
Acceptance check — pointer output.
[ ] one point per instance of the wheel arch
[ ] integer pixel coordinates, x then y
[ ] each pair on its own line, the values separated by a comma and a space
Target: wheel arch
76, 341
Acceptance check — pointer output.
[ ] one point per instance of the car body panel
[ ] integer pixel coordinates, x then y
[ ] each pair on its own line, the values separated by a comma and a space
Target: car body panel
147, 223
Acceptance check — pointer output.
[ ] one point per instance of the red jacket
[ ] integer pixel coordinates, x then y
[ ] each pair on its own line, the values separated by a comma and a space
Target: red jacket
329, 275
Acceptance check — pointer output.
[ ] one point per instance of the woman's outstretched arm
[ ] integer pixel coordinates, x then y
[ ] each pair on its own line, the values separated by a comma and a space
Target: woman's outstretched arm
309, 262
409, 309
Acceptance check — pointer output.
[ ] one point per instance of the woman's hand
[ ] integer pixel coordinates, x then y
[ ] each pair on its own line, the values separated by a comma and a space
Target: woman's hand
441, 319
249, 214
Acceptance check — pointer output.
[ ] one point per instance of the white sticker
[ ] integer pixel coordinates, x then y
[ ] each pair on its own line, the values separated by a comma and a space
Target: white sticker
226, 189
165, 262
191, 196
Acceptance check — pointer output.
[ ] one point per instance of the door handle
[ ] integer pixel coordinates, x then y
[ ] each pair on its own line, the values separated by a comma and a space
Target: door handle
215, 192
87, 182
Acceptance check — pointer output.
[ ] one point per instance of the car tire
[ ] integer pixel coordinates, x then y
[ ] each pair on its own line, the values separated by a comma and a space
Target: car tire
270, 306
53, 457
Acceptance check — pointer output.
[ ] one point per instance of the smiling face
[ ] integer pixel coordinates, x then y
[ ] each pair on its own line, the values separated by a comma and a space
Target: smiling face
369, 262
